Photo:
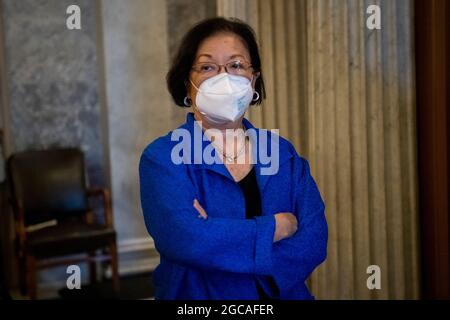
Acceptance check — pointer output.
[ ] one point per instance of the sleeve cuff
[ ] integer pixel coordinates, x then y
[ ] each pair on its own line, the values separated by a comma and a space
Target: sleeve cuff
265, 229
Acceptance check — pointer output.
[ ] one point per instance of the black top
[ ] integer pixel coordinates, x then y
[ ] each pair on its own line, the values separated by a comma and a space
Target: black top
249, 187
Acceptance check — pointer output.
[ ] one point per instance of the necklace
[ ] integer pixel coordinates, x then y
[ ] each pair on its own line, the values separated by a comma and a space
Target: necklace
231, 159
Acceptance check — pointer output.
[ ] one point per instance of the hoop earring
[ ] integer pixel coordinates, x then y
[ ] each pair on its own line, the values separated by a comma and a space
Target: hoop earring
257, 96
187, 102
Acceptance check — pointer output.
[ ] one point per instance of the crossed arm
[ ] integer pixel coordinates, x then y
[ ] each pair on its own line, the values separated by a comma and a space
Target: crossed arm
266, 245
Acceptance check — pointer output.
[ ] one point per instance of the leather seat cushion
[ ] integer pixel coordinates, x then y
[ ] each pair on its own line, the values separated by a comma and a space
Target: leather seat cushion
68, 238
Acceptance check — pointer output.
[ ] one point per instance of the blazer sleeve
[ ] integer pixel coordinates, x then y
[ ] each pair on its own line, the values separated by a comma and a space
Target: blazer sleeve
233, 245
296, 257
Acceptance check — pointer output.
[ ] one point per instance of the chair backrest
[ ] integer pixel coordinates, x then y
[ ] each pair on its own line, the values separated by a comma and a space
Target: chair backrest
48, 184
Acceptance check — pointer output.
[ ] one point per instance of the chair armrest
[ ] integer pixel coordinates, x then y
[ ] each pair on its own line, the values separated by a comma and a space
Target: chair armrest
104, 193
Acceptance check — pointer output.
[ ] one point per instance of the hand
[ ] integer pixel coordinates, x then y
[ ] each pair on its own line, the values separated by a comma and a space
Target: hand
285, 226
285, 222
201, 211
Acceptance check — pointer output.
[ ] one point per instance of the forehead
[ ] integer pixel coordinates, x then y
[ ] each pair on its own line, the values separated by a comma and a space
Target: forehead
223, 46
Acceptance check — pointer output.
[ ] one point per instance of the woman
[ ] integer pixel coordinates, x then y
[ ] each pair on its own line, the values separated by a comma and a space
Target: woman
223, 229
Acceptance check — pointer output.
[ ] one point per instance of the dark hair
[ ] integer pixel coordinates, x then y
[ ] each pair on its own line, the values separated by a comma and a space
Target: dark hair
178, 75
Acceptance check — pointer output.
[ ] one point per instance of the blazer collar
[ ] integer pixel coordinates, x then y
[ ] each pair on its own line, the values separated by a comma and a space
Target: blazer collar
196, 131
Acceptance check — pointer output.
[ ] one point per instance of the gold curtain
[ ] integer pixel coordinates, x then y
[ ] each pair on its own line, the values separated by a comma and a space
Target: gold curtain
344, 95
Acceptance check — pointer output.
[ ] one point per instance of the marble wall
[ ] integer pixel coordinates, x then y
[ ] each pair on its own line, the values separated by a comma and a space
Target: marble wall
51, 91
52, 76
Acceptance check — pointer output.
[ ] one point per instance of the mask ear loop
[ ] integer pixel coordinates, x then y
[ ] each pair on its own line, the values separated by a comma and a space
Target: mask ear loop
193, 104
196, 88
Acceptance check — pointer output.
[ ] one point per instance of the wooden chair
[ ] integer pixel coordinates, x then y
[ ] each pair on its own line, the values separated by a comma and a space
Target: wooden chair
54, 222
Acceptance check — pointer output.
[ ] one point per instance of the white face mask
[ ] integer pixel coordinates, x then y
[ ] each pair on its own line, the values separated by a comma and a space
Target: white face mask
224, 98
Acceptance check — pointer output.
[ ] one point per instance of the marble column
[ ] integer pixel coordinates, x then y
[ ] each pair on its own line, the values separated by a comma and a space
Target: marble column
363, 145
344, 95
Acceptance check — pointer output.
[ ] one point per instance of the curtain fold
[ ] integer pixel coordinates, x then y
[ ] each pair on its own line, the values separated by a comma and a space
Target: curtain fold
344, 95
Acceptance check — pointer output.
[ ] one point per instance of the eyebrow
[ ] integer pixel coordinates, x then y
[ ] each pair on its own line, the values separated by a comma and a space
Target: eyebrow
237, 56
210, 56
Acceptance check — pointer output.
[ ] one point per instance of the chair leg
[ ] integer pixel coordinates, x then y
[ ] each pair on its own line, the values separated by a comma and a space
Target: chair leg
23, 276
115, 267
92, 268
31, 277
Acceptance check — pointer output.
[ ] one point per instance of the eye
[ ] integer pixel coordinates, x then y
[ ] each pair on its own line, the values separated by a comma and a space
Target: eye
207, 67
236, 65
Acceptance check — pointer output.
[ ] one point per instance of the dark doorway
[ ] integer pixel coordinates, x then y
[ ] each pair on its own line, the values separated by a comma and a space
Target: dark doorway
432, 28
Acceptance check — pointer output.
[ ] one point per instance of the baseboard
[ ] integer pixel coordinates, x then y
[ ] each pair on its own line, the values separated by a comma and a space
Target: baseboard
135, 244
136, 256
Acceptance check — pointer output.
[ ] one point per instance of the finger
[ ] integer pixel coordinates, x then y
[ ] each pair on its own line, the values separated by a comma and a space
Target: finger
200, 209
198, 205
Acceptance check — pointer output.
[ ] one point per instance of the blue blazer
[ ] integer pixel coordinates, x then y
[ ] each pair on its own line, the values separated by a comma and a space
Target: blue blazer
223, 256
